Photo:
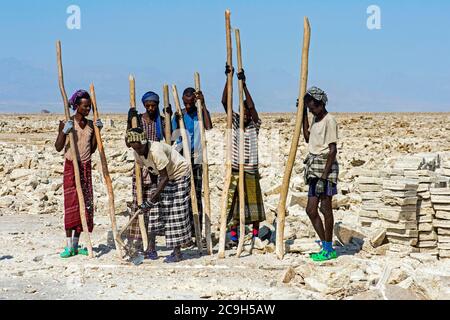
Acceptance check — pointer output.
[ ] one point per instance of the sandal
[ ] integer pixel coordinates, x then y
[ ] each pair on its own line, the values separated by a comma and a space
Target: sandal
173, 257
82, 251
152, 255
324, 255
67, 253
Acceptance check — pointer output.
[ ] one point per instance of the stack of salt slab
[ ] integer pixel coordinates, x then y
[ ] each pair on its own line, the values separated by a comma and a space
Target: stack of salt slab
370, 186
399, 212
440, 198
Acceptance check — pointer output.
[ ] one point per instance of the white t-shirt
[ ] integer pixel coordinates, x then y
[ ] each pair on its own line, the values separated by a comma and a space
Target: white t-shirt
161, 156
321, 134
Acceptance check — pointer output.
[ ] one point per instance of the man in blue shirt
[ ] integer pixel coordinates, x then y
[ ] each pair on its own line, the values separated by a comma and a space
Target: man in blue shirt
190, 117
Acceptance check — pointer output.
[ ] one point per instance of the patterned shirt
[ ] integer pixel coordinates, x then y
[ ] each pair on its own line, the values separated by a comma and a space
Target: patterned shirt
251, 132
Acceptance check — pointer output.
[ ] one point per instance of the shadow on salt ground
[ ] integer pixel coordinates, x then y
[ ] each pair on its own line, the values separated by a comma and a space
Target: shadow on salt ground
6, 258
102, 250
349, 249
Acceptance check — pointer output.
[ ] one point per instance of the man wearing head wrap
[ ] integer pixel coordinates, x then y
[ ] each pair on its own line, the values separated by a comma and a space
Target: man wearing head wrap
190, 97
170, 196
321, 168
152, 124
86, 143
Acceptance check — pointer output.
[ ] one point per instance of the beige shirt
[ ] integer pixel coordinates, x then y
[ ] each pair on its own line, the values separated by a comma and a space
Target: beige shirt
161, 156
321, 134
83, 141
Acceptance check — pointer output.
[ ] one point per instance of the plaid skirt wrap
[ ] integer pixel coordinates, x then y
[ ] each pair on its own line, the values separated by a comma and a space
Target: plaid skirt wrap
173, 219
149, 183
315, 165
72, 219
254, 204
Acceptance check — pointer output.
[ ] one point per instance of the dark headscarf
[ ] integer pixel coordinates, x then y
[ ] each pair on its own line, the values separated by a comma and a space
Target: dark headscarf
77, 96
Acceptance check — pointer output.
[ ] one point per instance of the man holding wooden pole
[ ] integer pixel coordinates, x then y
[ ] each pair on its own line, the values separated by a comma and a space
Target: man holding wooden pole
153, 125
191, 121
78, 196
294, 144
223, 213
253, 200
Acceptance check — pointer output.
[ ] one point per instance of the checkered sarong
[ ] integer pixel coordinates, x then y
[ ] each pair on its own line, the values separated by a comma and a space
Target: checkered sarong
173, 219
315, 165
198, 174
149, 183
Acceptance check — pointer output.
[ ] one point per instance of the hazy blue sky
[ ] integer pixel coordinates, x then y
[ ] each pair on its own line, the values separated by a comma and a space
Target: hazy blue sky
405, 66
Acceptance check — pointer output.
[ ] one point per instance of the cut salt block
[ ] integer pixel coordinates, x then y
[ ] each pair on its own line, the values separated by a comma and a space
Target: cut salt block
395, 216
440, 191
368, 214
440, 223
440, 199
402, 233
371, 195
402, 241
425, 219
370, 187
400, 201
444, 253
425, 227
445, 215
427, 236
441, 207
409, 163
401, 185
443, 239
443, 231
430, 251
427, 244
411, 225
444, 246
369, 180
399, 194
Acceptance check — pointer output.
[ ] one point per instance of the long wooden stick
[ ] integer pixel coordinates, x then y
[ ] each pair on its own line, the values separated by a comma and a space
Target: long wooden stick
223, 213
187, 155
105, 170
293, 151
137, 167
205, 169
241, 149
74, 151
167, 128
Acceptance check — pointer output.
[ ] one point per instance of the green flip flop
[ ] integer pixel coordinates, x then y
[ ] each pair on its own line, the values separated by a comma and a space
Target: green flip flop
83, 251
67, 253
324, 255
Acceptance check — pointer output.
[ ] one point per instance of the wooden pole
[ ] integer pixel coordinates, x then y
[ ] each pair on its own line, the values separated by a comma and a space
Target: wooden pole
205, 169
73, 150
241, 149
223, 213
187, 156
108, 182
137, 167
167, 128
293, 151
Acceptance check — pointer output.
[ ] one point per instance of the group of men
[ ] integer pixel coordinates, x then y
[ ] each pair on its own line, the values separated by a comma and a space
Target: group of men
166, 175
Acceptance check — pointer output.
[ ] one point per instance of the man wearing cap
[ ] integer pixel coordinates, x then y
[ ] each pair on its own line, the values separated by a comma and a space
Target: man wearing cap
321, 169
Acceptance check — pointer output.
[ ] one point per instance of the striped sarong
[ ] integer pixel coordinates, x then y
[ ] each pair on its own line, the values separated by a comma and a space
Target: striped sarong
254, 205
72, 219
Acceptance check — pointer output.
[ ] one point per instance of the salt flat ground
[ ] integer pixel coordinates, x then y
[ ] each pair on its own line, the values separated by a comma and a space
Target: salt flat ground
31, 225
